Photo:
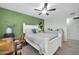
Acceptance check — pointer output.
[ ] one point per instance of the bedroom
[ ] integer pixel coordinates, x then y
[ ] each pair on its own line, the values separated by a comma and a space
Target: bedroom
19, 18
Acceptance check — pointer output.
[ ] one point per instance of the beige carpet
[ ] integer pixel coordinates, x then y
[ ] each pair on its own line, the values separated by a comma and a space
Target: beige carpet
29, 50
71, 47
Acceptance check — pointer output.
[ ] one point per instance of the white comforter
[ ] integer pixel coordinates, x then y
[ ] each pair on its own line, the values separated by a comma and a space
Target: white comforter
39, 38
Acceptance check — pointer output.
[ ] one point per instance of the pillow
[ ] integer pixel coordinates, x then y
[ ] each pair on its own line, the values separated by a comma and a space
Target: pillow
34, 30
29, 31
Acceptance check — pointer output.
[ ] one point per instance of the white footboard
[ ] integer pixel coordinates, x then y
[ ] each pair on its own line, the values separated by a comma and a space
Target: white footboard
51, 46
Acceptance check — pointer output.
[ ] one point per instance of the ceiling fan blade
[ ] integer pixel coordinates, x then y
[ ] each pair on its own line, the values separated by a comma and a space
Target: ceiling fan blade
39, 13
45, 5
47, 14
52, 9
37, 9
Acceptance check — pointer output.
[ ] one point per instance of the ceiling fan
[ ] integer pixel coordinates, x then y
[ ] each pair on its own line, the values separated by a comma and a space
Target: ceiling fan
44, 9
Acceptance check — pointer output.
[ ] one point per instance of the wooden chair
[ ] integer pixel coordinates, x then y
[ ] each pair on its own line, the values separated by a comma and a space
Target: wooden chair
19, 44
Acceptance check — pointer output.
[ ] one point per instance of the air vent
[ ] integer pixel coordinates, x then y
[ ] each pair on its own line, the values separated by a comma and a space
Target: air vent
76, 18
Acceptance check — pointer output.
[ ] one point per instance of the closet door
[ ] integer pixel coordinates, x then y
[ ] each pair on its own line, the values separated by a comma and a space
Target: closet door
73, 29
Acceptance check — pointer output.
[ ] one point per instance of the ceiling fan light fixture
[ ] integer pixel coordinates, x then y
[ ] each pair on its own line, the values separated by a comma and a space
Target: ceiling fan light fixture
44, 11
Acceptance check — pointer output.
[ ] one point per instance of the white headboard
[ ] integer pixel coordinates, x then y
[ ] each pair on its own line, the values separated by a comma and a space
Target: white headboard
29, 26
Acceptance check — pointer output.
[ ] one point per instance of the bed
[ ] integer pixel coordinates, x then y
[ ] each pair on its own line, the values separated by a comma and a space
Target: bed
46, 43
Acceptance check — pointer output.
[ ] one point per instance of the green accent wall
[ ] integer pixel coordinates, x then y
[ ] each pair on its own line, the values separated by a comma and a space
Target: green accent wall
15, 19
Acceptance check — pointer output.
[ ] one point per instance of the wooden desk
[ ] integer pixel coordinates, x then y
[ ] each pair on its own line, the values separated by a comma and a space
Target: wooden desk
6, 47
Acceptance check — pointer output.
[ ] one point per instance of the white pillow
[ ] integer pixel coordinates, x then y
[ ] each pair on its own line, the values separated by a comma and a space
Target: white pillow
29, 31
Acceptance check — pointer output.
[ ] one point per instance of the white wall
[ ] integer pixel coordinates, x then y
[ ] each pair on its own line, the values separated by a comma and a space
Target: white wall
73, 29
57, 22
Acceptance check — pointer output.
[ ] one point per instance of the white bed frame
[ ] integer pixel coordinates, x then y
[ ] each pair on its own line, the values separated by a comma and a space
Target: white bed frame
50, 46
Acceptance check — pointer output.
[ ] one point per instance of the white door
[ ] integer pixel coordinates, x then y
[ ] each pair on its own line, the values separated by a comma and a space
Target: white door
73, 29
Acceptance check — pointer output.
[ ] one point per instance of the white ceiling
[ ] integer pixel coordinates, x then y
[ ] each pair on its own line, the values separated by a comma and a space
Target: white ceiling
62, 9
